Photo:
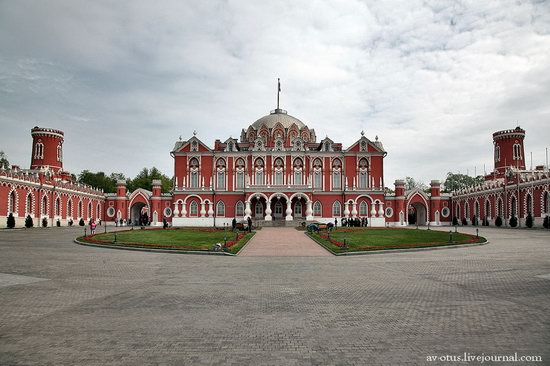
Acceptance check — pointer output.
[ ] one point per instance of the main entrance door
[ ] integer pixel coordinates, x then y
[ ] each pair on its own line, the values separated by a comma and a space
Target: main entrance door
278, 210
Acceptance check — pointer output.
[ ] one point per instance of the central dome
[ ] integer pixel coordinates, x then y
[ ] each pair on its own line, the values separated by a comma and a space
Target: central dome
278, 116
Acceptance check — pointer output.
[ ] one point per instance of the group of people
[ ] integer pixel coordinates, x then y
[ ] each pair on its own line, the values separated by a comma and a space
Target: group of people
355, 222
93, 225
248, 221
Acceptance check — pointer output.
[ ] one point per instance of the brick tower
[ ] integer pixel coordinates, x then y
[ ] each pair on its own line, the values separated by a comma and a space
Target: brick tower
47, 149
508, 149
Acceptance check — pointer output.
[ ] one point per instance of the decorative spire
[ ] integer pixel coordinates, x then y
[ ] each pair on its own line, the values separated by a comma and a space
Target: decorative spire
376, 138
362, 133
278, 91
194, 132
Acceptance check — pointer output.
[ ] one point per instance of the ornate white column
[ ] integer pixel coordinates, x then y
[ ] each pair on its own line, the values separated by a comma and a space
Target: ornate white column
268, 211
247, 210
346, 210
176, 210
309, 211
381, 209
203, 209
288, 211
354, 210
210, 209
183, 210
373, 210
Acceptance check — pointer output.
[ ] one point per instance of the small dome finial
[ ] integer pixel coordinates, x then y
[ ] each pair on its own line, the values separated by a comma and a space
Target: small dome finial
362, 133
376, 138
194, 132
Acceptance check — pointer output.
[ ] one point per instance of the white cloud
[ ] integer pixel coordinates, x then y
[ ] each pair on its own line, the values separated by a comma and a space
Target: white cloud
124, 80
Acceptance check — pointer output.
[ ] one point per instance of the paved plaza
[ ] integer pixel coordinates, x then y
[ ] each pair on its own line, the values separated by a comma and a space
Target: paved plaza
65, 304
282, 242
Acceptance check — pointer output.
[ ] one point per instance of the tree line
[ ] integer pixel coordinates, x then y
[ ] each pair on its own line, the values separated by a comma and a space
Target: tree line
144, 179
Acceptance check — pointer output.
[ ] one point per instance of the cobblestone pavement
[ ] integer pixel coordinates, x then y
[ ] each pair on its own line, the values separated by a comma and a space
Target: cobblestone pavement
283, 242
65, 304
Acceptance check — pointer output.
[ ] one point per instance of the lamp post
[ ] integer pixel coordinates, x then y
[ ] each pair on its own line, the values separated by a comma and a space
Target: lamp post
450, 236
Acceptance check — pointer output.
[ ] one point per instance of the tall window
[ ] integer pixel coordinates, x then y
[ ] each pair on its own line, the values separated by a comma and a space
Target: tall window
39, 150
517, 152
239, 209
298, 169
363, 209
44, 206
220, 166
11, 203
89, 210
298, 208
278, 166
28, 204
59, 153
220, 209
499, 208
487, 208
69, 208
363, 173
194, 208
546, 205
259, 209
529, 204
239, 168
513, 209
79, 208
317, 174
497, 153
259, 168
57, 207
317, 209
336, 174
336, 209
194, 173
476, 209
467, 210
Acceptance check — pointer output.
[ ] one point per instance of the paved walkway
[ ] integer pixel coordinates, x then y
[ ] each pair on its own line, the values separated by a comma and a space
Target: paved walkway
283, 242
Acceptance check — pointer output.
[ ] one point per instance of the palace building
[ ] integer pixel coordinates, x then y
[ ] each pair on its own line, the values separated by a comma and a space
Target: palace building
278, 173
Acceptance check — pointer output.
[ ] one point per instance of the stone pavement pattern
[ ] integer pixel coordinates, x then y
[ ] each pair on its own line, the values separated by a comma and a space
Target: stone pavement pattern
283, 242
113, 307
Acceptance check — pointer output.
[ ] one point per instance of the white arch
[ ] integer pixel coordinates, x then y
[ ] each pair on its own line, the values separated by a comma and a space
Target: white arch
364, 196
299, 194
191, 195
255, 195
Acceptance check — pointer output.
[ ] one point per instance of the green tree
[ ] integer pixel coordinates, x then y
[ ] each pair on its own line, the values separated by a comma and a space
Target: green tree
456, 181
100, 180
28, 222
4, 160
411, 183
145, 177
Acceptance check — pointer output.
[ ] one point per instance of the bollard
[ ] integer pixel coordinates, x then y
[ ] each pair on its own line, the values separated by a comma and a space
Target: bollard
105, 228
450, 236
84, 231
345, 244
477, 233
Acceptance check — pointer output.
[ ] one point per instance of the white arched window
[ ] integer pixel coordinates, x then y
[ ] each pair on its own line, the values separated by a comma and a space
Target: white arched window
487, 208
90, 213
317, 174
59, 153
194, 173
500, 208
546, 203
363, 173
513, 207
70, 208
239, 171
44, 206
239, 209
28, 204
259, 210
467, 210
39, 150
497, 153
220, 208
79, 209
336, 174
259, 171
98, 211
194, 208
12, 203
57, 207
529, 204
336, 209
220, 178
279, 171
298, 171
317, 209
517, 152
363, 209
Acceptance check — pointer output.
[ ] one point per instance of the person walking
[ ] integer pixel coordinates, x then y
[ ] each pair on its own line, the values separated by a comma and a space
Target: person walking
93, 226
249, 221
234, 224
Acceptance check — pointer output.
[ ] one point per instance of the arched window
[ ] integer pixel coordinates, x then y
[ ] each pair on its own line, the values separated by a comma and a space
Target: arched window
467, 210
57, 207
487, 208
44, 206
278, 167
317, 174
497, 153
336, 174
500, 208
39, 150
79, 209
517, 152
546, 203
457, 210
476, 209
363, 209
298, 170
239, 209
59, 153
317, 209
259, 210
70, 208
220, 209
336, 209
28, 204
513, 208
194, 208
98, 212
239, 167
259, 168
194, 173
12, 205
298, 209
220, 167
89, 209
529, 204
363, 173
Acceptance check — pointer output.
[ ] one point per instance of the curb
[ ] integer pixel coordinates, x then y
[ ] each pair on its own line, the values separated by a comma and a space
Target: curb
405, 250
152, 250
244, 246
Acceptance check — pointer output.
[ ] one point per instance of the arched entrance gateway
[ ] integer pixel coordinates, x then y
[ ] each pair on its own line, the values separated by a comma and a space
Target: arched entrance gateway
417, 208
139, 207
279, 207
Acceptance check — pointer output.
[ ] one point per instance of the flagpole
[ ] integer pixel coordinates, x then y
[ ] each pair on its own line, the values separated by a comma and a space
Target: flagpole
278, 91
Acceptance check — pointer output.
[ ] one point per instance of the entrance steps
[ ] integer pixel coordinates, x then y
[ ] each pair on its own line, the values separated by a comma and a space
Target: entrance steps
280, 223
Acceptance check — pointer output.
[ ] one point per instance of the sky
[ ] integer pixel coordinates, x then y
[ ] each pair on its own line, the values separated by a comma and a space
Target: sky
124, 79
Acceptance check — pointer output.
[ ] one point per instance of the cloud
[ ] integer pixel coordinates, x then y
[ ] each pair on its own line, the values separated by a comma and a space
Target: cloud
124, 80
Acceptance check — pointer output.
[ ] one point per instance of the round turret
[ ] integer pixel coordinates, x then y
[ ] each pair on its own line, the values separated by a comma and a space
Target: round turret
508, 149
47, 149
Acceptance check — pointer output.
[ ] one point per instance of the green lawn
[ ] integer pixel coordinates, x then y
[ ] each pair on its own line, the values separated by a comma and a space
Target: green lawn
365, 239
201, 239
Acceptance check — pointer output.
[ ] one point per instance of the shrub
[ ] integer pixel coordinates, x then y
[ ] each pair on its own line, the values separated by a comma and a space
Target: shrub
513, 221
464, 221
498, 221
44, 222
28, 222
81, 222
71, 222
455, 221
11, 221
546, 222
529, 220
58, 223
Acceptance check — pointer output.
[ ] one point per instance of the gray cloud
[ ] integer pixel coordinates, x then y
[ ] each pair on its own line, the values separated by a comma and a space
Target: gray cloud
124, 79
